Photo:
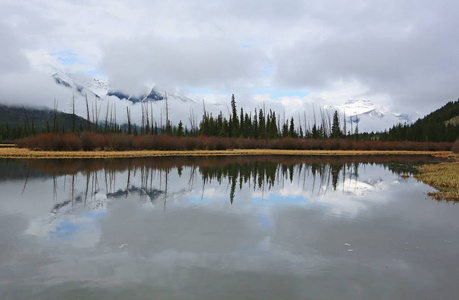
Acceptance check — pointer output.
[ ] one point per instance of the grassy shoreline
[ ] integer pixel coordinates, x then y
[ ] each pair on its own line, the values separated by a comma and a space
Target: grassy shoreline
15, 152
444, 177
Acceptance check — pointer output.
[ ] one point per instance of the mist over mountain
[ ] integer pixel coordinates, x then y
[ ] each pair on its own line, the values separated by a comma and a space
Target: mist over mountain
370, 116
74, 88
103, 99
84, 85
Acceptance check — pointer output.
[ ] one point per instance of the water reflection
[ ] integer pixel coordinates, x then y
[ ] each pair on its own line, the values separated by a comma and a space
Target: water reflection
82, 190
259, 173
222, 227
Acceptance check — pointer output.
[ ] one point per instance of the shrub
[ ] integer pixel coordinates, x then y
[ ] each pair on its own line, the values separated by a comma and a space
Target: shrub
71, 142
91, 141
191, 143
455, 147
121, 142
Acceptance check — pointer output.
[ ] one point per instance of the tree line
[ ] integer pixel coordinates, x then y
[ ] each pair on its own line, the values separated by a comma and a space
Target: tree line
435, 127
260, 124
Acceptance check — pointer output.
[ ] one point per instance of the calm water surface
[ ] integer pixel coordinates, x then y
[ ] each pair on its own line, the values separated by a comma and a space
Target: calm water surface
224, 228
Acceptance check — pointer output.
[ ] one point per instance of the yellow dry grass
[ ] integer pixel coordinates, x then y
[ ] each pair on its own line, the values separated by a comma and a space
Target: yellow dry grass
26, 153
444, 177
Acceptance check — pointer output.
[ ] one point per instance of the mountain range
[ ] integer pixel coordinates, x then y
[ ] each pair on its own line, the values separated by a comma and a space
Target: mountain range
368, 115
99, 88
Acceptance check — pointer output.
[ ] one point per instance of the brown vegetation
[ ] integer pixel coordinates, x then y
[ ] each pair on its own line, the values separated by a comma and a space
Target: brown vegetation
455, 147
27, 153
89, 141
444, 177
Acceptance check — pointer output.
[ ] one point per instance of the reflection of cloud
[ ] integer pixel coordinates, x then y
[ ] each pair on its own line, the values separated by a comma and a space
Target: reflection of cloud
289, 232
80, 230
265, 257
72, 221
259, 204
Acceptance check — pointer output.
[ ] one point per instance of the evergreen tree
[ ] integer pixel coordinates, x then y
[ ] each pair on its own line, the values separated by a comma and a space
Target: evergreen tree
315, 132
261, 125
234, 119
179, 131
291, 130
336, 131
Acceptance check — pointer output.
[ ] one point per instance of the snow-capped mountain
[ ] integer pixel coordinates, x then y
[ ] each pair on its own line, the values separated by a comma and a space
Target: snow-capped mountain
370, 116
81, 84
106, 101
84, 85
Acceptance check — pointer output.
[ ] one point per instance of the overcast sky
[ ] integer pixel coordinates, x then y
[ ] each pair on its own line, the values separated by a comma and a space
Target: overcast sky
403, 54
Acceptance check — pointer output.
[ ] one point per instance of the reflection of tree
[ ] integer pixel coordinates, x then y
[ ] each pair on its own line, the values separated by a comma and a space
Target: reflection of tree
258, 173
42, 168
233, 189
268, 174
335, 170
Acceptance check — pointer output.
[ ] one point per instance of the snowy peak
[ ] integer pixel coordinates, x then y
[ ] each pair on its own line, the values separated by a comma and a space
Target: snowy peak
153, 95
80, 83
370, 116
99, 88
358, 108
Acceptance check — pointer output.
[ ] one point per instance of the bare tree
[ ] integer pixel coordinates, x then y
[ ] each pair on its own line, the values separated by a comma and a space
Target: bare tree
73, 113
97, 114
142, 124
168, 125
116, 128
106, 117
344, 124
152, 119
147, 123
55, 116
128, 119
192, 119
88, 118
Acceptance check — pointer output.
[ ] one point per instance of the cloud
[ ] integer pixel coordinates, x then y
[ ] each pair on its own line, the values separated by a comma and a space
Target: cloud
35, 89
214, 62
406, 52
12, 58
396, 53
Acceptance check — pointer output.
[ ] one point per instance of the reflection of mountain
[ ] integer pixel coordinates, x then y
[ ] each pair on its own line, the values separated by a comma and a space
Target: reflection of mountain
94, 186
360, 188
153, 194
153, 184
100, 201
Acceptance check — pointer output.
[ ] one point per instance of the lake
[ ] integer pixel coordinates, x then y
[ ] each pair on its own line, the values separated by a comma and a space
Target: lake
225, 228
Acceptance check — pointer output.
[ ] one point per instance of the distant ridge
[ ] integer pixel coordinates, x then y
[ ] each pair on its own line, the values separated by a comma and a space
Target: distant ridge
40, 117
440, 125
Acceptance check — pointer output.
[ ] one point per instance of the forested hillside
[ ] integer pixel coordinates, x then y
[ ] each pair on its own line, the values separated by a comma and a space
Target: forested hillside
17, 122
435, 127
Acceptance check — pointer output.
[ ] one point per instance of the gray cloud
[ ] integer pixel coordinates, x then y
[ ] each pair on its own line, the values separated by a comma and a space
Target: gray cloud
201, 62
12, 58
406, 52
393, 52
